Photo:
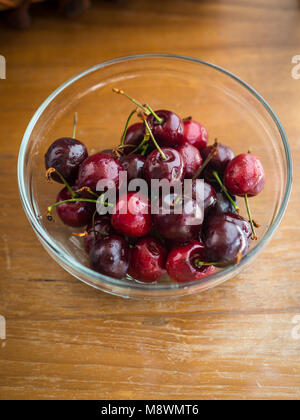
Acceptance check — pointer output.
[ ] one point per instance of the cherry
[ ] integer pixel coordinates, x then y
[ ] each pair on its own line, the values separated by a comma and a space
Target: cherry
209, 195
131, 215
233, 218
111, 256
75, 214
245, 175
97, 167
134, 165
98, 229
148, 260
178, 227
134, 136
66, 155
225, 241
182, 263
167, 129
195, 134
171, 168
109, 152
222, 156
223, 205
191, 157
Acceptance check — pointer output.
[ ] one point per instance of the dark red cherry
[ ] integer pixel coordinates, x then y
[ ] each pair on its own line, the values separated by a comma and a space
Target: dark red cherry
180, 227
66, 155
223, 205
195, 134
233, 218
168, 132
75, 214
97, 230
134, 136
181, 262
97, 167
134, 165
111, 256
172, 168
131, 215
245, 175
225, 241
110, 152
206, 193
221, 158
191, 157
148, 259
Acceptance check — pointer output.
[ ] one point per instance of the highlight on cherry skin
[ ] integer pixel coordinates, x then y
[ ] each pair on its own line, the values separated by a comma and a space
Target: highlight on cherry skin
136, 235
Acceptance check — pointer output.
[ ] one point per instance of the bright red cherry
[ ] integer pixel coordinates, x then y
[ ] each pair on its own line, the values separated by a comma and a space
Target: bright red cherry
195, 134
191, 157
75, 214
132, 216
182, 263
148, 259
97, 230
168, 132
172, 168
97, 167
245, 175
110, 256
66, 155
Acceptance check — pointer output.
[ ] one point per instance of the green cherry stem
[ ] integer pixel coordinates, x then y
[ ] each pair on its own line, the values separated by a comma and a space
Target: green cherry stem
198, 263
207, 160
121, 92
153, 139
158, 119
215, 174
254, 236
75, 124
126, 127
70, 200
50, 171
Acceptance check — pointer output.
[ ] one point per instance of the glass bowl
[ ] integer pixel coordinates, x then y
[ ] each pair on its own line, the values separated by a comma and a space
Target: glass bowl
231, 111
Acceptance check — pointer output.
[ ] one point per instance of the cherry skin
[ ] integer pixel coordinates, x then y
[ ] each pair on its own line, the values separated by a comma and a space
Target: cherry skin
65, 155
134, 136
223, 205
195, 134
225, 242
181, 262
97, 167
191, 157
245, 175
111, 256
172, 168
221, 158
75, 214
101, 228
178, 227
168, 133
208, 193
148, 259
134, 165
233, 218
131, 215
110, 152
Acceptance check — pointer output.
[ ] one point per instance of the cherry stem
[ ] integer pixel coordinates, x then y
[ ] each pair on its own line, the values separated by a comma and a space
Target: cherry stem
215, 174
254, 236
126, 127
121, 92
75, 124
158, 119
189, 118
50, 171
88, 190
145, 148
207, 160
198, 263
153, 139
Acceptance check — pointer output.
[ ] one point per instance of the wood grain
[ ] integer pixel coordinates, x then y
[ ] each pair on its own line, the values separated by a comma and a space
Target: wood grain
64, 340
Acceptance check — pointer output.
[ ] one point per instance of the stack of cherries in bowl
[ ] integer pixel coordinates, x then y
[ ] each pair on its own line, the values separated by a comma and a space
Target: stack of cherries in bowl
133, 239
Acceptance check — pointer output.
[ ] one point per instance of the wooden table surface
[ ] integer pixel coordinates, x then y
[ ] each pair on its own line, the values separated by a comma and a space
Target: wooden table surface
64, 339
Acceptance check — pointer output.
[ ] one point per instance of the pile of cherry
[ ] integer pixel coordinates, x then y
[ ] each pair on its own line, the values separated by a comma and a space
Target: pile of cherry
144, 245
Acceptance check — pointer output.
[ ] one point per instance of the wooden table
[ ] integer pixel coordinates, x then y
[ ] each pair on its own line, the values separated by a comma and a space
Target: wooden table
64, 339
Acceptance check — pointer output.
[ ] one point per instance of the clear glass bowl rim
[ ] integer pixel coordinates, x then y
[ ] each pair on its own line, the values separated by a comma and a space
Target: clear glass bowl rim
70, 261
